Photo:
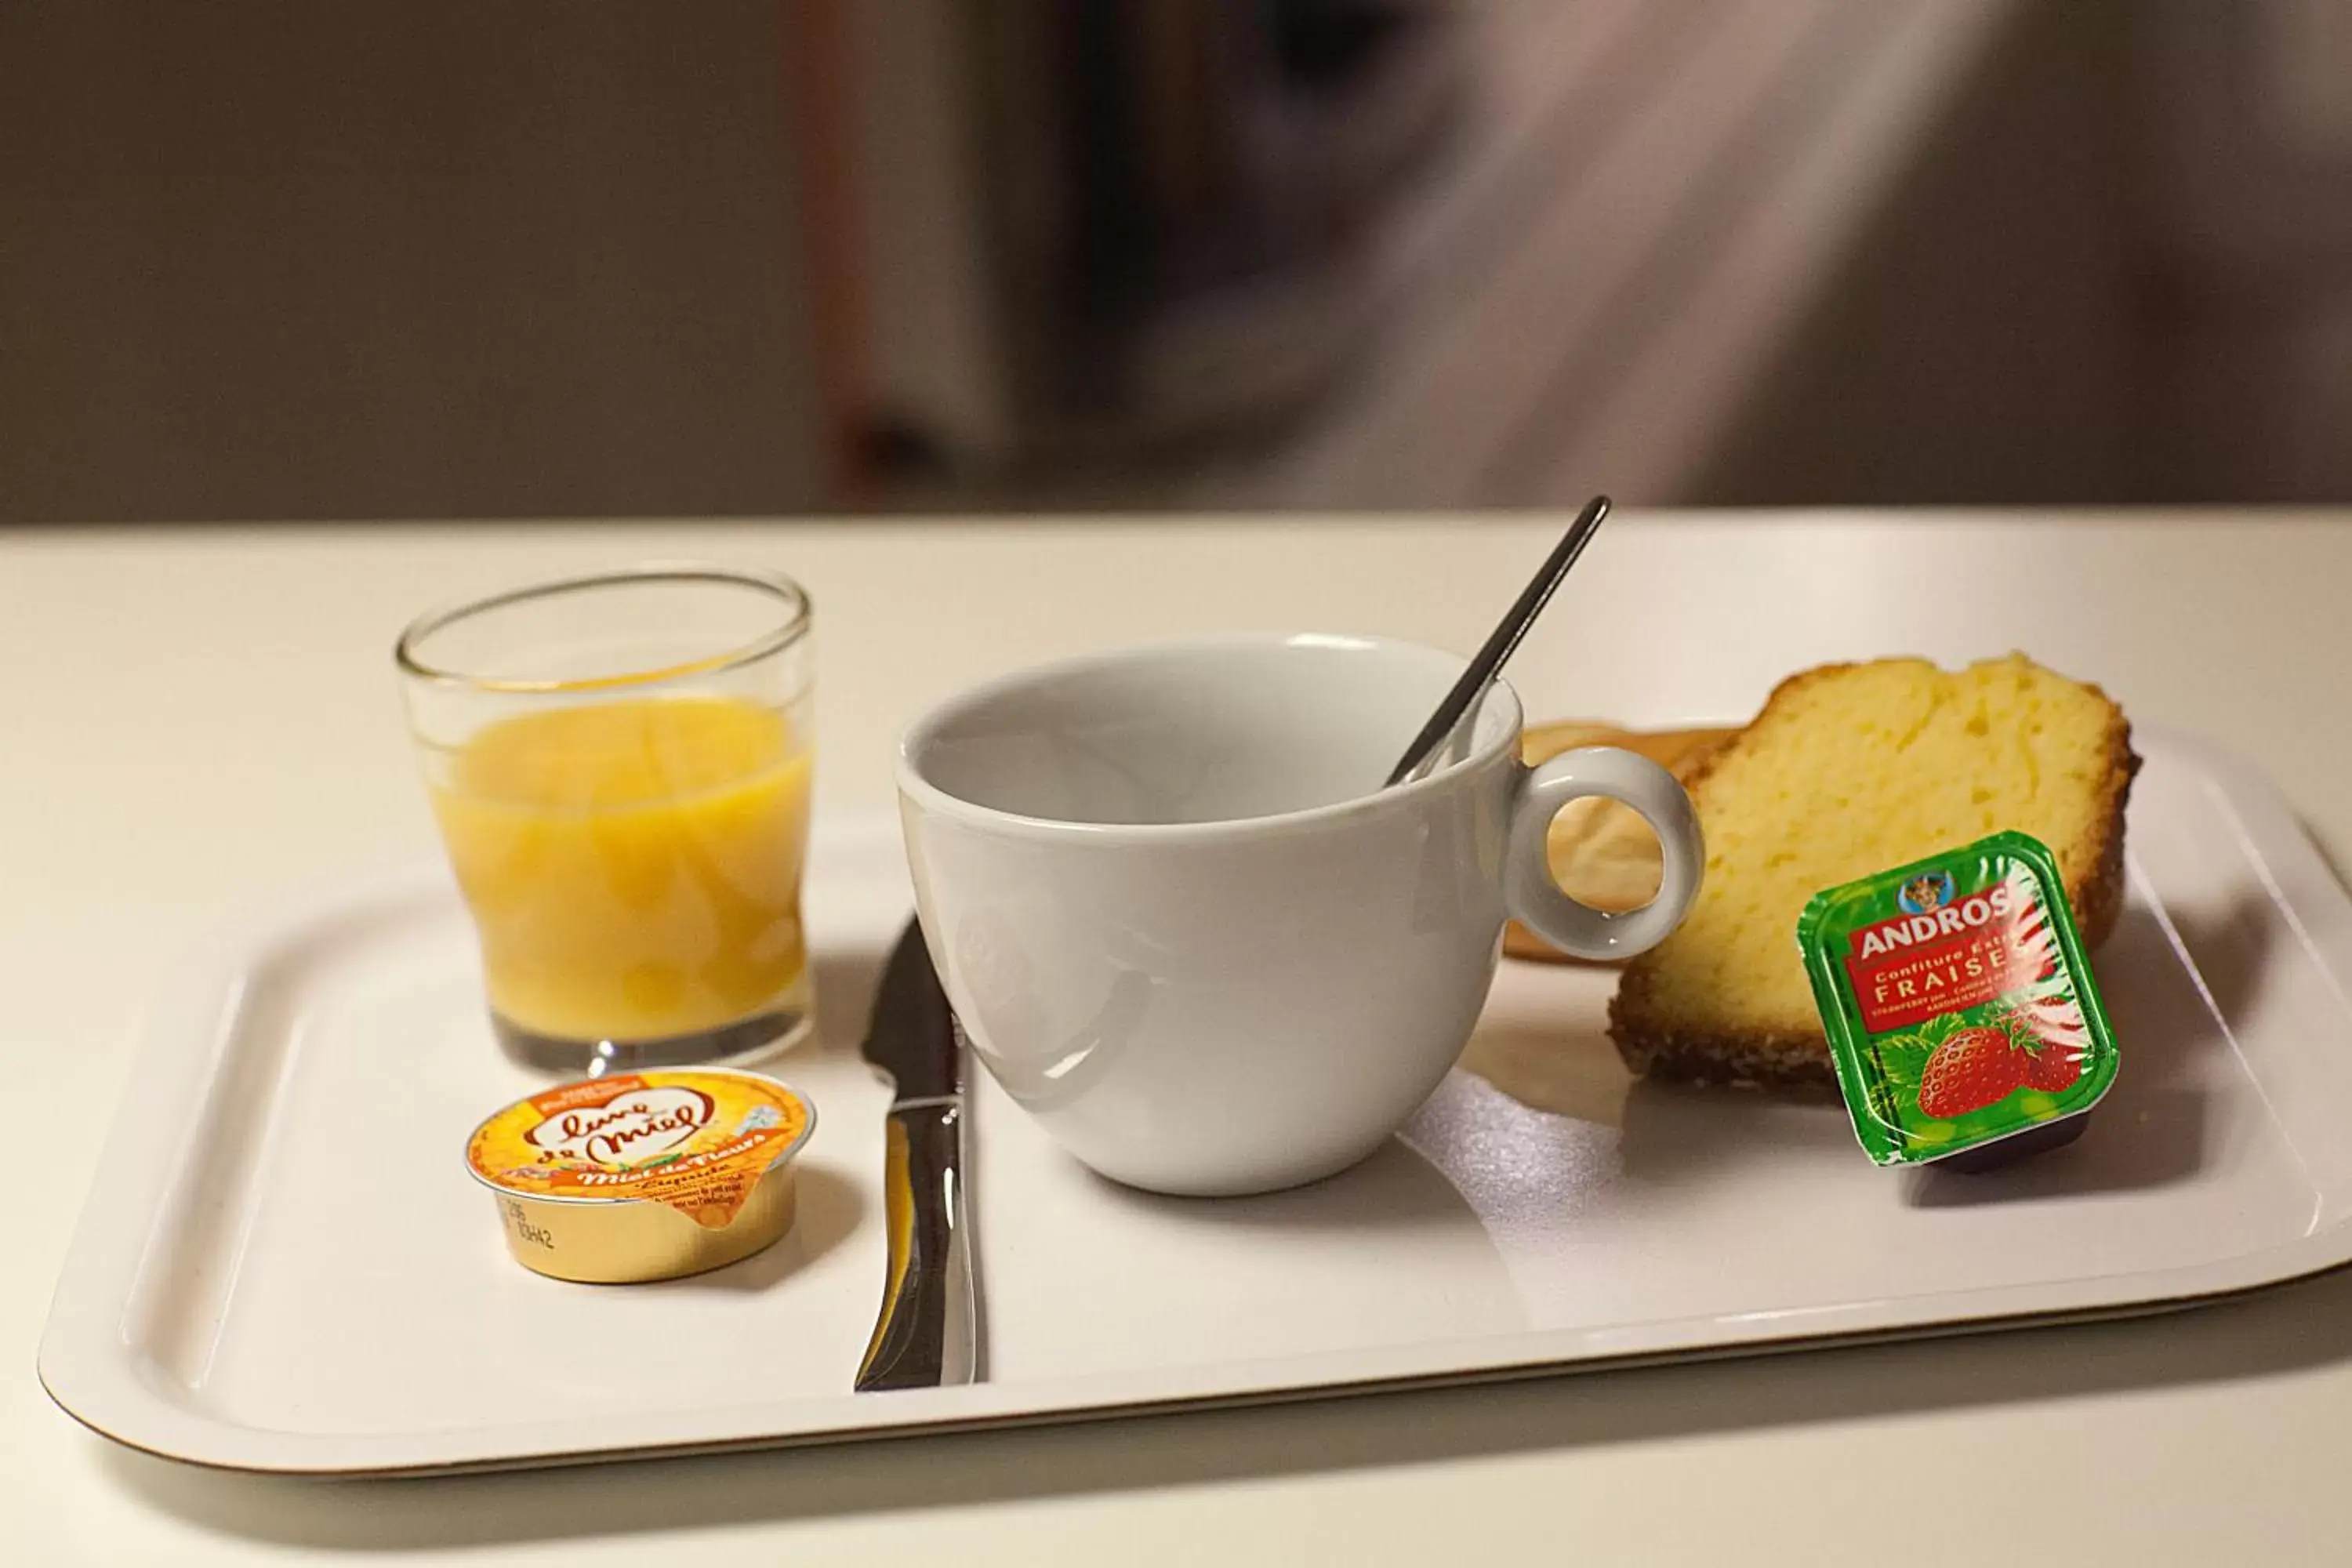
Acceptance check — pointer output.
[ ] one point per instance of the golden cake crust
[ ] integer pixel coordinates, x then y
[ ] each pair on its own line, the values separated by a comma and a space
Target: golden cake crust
1655, 1046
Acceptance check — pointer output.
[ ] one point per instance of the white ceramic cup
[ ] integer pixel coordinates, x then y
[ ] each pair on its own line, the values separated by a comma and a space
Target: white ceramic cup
1185, 927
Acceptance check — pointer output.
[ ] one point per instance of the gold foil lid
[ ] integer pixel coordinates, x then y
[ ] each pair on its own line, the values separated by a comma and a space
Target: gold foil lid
697, 1141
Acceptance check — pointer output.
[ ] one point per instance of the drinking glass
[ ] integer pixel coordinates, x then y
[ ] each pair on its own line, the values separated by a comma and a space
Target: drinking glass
620, 764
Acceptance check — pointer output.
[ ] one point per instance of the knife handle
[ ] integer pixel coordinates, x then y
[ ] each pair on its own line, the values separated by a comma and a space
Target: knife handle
927, 1335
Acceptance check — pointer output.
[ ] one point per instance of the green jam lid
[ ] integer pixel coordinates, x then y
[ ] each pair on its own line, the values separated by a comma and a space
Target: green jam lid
1959, 1002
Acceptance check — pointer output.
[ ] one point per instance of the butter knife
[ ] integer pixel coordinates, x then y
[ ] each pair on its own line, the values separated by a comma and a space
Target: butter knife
928, 1331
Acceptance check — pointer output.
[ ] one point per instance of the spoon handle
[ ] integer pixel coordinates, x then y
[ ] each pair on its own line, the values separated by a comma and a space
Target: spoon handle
1503, 641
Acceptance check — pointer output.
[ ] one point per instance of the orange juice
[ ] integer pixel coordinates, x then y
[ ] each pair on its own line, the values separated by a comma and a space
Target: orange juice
633, 867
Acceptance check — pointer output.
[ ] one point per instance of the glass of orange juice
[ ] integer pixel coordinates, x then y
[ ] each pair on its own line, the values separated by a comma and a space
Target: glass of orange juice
620, 765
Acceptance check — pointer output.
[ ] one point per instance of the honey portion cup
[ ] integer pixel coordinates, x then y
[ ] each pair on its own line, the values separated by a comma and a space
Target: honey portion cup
643, 1176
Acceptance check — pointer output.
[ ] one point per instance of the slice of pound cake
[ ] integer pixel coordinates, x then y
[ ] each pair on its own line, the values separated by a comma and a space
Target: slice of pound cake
1851, 769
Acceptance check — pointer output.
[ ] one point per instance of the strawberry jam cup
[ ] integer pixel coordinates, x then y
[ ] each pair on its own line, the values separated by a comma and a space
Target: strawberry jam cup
1963, 1020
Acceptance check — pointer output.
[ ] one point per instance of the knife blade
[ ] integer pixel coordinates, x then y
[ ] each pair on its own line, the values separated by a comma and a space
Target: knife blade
927, 1332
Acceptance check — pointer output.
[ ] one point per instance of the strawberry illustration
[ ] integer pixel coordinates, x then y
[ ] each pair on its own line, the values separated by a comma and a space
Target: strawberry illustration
2051, 1031
1971, 1070
2052, 1067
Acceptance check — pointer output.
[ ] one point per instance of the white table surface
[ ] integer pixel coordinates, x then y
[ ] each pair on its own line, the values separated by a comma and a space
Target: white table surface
193, 721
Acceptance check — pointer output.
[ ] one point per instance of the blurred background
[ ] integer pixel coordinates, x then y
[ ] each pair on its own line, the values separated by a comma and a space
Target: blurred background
553, 257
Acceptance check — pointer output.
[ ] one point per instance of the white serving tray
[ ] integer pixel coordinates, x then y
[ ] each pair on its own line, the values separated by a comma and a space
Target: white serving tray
283, 1265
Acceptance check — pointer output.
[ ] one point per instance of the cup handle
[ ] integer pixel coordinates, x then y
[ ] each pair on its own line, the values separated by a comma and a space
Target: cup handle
1577, 928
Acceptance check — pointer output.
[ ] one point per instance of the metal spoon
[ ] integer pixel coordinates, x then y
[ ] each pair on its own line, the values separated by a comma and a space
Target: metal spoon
1464, 699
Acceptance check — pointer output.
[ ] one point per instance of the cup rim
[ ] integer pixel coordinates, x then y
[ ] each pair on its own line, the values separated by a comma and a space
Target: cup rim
794, 598
914, 787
